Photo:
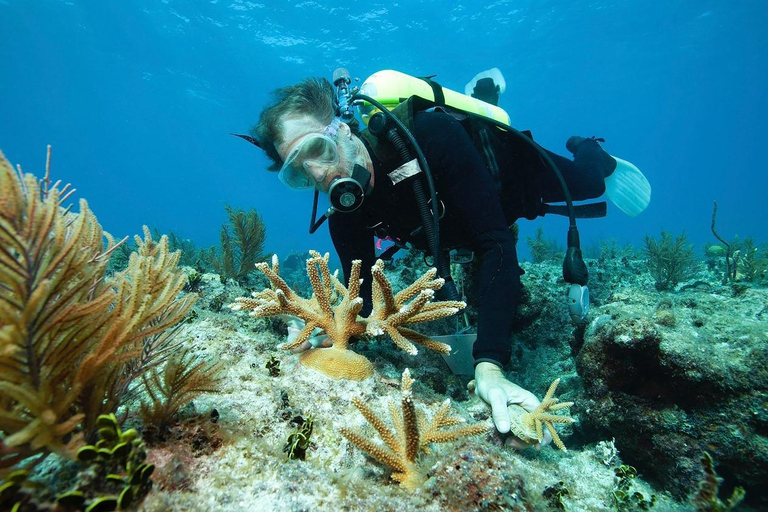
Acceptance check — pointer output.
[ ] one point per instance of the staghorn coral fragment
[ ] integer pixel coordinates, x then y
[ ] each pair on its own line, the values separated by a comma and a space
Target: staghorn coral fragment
334, 309
412, 434
529, 426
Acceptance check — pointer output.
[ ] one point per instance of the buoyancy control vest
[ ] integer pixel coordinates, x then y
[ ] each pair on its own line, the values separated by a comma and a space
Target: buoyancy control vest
516, 168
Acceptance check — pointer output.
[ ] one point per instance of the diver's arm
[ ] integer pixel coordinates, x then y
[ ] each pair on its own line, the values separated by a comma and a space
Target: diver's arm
473, 209
353, 241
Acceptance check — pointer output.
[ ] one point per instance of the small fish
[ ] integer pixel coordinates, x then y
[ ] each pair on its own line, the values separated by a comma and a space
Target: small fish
715, 250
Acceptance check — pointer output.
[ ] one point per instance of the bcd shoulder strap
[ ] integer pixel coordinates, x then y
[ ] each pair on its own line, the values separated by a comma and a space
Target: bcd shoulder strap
383, 150
516, 168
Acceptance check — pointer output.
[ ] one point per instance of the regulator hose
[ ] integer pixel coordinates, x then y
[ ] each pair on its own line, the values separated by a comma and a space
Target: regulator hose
430, 220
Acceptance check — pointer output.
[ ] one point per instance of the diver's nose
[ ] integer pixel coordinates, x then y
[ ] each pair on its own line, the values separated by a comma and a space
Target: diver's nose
316, 172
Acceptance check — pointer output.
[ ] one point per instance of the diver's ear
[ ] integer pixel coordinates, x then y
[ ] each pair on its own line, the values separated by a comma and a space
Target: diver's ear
345, 129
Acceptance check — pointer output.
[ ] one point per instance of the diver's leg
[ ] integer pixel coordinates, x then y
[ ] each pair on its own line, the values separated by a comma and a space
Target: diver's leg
584, 175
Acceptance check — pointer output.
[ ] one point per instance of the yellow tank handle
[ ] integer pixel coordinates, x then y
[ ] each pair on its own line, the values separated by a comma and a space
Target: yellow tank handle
391, 88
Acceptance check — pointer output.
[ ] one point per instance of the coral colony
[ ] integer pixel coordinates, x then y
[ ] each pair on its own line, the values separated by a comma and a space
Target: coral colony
334, 309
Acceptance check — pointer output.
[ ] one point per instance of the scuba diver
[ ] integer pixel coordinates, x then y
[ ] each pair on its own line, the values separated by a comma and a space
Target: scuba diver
483, 174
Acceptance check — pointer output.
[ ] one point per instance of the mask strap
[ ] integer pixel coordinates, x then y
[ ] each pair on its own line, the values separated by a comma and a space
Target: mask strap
332, 129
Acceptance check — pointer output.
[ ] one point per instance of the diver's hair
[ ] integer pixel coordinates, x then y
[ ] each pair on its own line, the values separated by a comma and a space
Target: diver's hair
311, 96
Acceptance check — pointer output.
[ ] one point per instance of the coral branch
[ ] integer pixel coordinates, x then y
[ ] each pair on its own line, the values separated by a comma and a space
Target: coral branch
334, 309
410, 436
528, 426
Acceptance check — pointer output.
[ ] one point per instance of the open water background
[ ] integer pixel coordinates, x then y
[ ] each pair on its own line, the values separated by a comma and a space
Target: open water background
138, 98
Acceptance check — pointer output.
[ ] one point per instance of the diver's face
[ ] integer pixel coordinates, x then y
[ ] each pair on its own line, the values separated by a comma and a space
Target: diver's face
314, 157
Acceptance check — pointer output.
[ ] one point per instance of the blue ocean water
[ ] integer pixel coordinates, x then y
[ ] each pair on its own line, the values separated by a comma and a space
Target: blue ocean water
138, 98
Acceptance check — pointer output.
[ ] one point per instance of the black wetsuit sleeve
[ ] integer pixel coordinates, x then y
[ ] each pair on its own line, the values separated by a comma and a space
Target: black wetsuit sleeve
353, 241
474, 219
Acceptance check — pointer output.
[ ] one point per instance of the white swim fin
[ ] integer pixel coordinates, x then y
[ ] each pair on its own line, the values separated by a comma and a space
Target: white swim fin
494, 74
628, 188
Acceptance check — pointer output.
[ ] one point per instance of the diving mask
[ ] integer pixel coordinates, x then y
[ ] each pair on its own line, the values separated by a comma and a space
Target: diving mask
312, 158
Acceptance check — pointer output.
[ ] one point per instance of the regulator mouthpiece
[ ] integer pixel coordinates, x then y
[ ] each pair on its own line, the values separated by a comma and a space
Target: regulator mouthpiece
346, 194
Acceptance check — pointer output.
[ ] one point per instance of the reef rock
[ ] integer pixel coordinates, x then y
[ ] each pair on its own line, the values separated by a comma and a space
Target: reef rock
671, 375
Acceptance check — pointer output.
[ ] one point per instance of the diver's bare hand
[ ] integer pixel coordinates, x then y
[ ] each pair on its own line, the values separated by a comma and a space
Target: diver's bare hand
493, 388
295, 325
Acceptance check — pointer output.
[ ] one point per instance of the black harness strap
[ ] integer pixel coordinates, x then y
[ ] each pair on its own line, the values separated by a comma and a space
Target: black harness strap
437, 91
582, 211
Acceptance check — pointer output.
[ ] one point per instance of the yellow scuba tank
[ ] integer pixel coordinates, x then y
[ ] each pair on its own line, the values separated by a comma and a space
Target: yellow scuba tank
391, 88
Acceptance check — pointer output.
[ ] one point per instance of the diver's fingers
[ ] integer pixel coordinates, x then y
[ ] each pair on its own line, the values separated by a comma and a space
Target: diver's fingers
293, 332
497, 398
292, 321
320, 341
524, 399
302, 348
547, 438
517, 443
314, 342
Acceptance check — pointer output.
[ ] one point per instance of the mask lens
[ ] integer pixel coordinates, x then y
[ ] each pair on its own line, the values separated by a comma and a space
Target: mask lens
319, 149
315, 152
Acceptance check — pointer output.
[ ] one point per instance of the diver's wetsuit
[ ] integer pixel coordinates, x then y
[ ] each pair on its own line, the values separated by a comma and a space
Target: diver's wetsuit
474, 219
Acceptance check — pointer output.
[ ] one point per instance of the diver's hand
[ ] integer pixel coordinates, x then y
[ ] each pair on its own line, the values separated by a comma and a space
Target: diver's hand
295, 325
495, 390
